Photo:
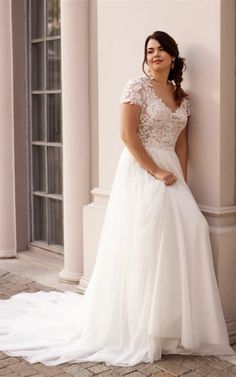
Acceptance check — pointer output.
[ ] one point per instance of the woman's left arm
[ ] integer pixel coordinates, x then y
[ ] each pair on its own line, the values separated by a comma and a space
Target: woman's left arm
181, 149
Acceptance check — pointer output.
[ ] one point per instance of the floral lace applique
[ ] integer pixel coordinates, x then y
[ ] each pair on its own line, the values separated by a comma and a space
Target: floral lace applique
132, 92
159, 126
186, 105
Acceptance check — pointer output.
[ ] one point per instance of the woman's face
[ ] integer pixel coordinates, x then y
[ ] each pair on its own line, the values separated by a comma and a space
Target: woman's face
157, 58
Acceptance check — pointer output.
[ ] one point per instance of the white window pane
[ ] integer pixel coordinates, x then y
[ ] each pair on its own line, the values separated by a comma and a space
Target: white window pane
37, 68
40, 218
55, 221
38, 117
53, 65
53, 18
54, 117
37, 19
39, 171
54, 170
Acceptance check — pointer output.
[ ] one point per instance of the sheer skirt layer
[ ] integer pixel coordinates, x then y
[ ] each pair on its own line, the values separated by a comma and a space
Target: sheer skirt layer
153, 289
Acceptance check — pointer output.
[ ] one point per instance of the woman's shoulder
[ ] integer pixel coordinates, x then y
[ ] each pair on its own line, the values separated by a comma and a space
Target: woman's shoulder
137, 80
186, 104
133, 90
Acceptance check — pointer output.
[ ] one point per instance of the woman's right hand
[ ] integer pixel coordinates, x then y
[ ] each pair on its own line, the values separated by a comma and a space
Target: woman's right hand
166, 176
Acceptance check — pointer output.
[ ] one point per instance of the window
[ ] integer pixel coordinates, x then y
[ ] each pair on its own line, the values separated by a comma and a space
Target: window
45, 124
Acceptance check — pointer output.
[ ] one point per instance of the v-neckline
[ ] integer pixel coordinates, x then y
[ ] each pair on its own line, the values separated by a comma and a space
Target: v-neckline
160, 99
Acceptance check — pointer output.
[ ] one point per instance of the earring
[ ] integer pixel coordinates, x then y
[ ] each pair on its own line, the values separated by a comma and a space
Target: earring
172, 64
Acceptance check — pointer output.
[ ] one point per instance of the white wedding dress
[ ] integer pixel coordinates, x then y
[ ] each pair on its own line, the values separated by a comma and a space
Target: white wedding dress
153, 290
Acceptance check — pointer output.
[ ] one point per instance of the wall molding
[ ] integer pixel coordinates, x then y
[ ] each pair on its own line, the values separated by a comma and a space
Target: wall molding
8, 254
83, 283
223, 230
218, 211
101, 196
231, 327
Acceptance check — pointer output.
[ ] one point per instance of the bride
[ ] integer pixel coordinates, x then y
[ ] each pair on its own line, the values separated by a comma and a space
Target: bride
153, 289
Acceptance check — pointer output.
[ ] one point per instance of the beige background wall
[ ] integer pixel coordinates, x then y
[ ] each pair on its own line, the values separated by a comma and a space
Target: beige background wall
120, 55
93, 93
209, 49
227, 103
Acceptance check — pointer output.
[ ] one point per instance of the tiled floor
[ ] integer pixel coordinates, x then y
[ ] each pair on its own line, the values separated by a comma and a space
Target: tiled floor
39, 265
17, 275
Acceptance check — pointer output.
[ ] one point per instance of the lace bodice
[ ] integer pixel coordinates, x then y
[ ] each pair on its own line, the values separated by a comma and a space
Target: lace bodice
159, 126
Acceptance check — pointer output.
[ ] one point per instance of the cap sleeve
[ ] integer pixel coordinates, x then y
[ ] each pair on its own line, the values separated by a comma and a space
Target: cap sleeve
187, 107
132, 92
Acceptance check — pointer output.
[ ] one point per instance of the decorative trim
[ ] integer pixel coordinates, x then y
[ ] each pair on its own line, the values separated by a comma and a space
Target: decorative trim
96, 206
69, 277
8, 254
83, 283
218, 211
231, 326
223, 230
100, 192
39, 245
100, 196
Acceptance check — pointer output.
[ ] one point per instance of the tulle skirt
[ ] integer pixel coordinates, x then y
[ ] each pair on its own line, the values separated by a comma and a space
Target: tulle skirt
153, 289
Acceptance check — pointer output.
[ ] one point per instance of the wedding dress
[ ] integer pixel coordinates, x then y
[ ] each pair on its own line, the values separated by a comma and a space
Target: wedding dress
153, 289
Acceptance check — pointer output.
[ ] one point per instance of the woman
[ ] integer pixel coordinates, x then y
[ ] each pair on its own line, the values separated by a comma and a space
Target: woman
153, 290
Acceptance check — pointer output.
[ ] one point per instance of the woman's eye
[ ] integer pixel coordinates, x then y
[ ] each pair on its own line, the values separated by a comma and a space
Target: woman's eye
160, 48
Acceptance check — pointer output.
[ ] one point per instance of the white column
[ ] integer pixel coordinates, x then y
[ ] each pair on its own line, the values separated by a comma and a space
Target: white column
7, 185
222, 215
75, 108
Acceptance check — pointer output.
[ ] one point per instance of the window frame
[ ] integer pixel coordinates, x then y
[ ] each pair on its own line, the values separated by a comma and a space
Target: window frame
45, 144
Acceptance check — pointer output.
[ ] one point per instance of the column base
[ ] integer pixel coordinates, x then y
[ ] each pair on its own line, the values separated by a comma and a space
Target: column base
93, 218
69, 277
83, 283
222, 227
231, 326
8, 254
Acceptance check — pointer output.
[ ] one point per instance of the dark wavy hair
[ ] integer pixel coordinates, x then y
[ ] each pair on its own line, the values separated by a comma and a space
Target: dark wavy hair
176, 73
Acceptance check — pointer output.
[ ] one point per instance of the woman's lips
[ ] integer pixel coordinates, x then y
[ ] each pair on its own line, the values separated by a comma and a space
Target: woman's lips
157, 61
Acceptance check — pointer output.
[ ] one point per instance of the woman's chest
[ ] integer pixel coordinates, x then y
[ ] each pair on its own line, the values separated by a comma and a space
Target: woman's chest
155, 112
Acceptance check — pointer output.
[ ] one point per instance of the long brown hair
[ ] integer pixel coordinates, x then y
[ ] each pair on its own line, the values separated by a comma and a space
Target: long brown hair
176, 73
